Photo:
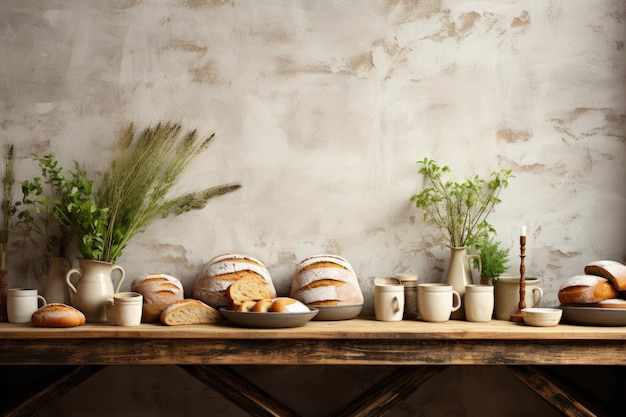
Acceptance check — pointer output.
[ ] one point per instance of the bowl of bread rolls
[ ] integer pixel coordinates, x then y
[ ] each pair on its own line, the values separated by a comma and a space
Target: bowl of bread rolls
251, 304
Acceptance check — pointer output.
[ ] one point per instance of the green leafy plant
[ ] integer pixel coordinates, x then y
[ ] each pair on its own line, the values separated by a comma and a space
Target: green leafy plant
133, 191
493, 257
7, 208
459, 209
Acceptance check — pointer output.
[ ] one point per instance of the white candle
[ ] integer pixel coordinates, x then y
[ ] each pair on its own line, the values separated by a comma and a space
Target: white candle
523, 231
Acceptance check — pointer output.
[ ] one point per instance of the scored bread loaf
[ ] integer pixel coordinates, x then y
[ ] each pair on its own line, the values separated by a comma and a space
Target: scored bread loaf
220, 272
586, 289
158, 288
613, 271
189, 311
288, 305
57, 315
326, 280
250, 288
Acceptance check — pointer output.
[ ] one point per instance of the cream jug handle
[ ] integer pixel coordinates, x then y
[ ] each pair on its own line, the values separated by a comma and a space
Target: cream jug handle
121, 278
67, 279
480, 262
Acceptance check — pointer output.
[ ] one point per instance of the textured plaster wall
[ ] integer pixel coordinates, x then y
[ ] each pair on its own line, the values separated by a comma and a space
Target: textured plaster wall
321, 109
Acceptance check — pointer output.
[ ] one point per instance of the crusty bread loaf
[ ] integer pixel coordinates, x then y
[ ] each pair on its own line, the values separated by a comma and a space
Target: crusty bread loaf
288, 305
246, 289
57, 315
326, 280
220, 272
158, 288
586, 289
189, 311
613, 271
262, 306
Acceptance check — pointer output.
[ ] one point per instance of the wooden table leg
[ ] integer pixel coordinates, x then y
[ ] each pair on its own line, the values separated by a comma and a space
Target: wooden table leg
550, 390
239, 391
60, 385
383, 396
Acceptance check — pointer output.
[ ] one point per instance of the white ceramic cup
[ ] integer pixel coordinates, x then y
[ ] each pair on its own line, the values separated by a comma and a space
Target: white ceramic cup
388, 299
478, 303
22, 303
436, 302
507, 295
128, 307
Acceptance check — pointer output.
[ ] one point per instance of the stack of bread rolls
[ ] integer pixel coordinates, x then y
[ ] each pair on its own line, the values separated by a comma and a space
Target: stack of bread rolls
603, 284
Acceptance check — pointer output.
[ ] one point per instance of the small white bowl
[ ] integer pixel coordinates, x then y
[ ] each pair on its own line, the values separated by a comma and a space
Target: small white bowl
542, 317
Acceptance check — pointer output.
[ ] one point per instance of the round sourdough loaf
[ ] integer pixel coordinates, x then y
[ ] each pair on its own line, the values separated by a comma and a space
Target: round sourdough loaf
220, 272
158, 288
326, 280
57, 315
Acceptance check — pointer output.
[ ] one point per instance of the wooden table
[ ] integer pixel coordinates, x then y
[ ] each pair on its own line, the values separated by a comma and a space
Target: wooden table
421, 349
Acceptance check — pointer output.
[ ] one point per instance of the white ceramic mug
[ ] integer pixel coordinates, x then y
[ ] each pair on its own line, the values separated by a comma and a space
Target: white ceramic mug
388, 299
128, 307
436, 302
507, 295
22, 303
478, 303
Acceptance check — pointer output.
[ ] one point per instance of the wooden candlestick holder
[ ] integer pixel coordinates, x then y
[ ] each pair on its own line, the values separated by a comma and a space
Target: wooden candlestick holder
517, 317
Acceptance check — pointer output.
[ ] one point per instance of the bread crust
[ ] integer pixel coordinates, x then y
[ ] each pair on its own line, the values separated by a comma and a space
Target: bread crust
288, 305
58, 315
189, 311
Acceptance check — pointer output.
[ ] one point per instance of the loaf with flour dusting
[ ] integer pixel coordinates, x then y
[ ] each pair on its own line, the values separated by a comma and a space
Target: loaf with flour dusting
586, 289
57, 315
158, 288
614, 271
220, 272
325, 280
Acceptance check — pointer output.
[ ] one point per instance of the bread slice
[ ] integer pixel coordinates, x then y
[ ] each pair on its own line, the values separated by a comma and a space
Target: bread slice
246, 306
245, 289
189, 311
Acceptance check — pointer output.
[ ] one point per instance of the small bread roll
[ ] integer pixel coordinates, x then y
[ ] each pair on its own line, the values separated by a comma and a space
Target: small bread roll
586, 289
263, 306
246, 306
58, 315
288, 305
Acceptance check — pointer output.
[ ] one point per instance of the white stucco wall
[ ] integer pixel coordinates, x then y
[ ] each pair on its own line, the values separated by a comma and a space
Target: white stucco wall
321, 110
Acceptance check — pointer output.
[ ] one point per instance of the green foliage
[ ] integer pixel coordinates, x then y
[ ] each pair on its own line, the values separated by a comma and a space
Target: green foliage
134, 190
494, 258
7, 194
459, 209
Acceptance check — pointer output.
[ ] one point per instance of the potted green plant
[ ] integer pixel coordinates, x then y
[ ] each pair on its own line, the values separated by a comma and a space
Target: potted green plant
494, 259
460, 210
134, 190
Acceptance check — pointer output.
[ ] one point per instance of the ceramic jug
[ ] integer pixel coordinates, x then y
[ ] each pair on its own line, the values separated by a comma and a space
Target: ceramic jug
94, 288
459, 275
50, 272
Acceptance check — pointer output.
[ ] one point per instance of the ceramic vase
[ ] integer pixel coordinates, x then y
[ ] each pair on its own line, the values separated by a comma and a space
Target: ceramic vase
459, 274
94, 289
51, 272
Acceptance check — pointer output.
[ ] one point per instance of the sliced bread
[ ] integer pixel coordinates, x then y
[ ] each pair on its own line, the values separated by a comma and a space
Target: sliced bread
245, 289
189, 311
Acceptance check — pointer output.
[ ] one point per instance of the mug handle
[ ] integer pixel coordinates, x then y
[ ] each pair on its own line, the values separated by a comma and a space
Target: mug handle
538, 299
43, 300
455, 297
121, 278
396, 305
